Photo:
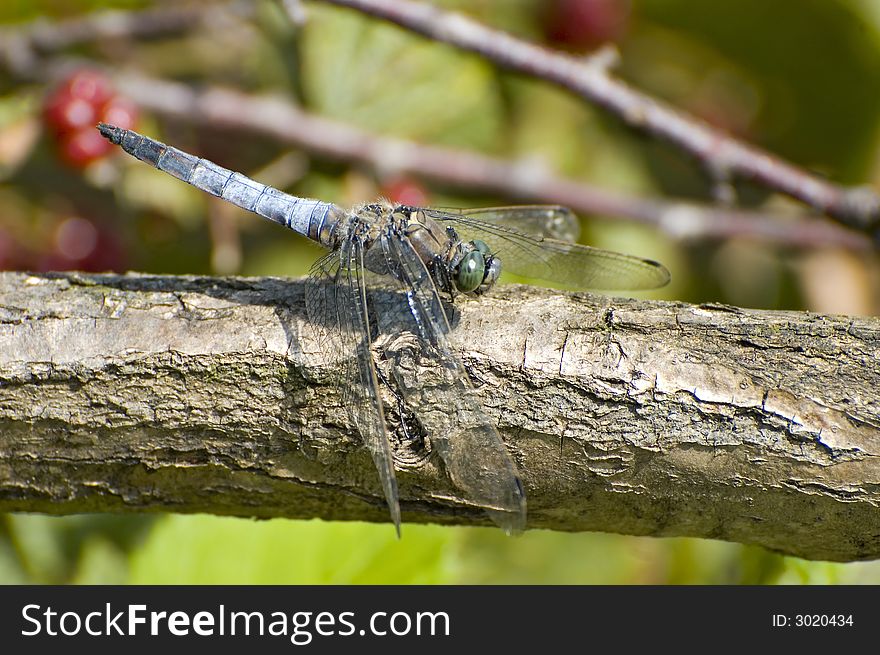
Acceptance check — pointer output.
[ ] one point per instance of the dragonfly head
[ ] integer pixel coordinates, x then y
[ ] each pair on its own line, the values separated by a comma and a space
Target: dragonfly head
474, 268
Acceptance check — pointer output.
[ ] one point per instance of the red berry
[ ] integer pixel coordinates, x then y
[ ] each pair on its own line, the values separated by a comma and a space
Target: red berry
73, 109
121, 112
66, 113
81, 148
77, 102
586, 24
91, 86
405, 191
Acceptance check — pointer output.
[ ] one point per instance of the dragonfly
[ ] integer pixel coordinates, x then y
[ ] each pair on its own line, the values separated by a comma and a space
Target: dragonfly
422, 259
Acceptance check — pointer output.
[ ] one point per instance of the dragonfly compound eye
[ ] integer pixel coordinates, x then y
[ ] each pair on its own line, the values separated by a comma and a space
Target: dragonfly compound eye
470, 271
482, 246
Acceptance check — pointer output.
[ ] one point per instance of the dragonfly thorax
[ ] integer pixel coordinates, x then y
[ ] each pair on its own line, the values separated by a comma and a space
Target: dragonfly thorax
455, 265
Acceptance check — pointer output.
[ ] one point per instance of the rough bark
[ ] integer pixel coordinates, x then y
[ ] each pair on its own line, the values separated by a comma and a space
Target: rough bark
148, 393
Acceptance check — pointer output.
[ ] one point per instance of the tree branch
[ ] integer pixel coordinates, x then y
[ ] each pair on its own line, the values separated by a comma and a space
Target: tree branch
150, 393
22, 50
44, 36
719, 153
285, 122
22, 46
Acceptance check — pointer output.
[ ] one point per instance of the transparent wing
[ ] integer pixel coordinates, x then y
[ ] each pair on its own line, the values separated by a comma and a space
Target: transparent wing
435, 386
551, 221
534, 256
337, 310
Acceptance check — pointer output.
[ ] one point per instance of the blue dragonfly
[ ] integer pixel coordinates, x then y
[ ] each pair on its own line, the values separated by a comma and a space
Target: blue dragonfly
423, 257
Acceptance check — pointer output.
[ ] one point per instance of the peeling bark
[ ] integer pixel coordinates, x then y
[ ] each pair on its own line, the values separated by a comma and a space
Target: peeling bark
149, 393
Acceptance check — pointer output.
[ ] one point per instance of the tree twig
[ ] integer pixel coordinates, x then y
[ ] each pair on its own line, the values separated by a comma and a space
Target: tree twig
45, 37
527, 180
717, 151
524, 180
150, 393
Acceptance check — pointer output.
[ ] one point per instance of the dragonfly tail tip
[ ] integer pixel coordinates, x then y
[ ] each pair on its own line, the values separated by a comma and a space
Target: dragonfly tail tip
110, 132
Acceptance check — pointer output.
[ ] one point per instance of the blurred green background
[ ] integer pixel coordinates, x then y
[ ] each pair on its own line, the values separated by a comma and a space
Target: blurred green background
799, 77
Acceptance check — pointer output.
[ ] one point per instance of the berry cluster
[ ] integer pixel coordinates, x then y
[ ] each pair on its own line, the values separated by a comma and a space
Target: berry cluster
75, 106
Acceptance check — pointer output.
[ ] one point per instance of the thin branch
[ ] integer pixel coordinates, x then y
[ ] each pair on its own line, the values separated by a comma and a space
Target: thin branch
153, 393
524, 180
48, 37
717, 151
22, 47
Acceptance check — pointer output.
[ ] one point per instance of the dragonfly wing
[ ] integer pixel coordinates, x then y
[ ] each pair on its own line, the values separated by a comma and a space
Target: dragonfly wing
337, 308
434, 384
551, 221
538, 257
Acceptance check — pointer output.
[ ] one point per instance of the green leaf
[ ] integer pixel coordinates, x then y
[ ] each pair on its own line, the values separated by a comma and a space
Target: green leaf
384, 79
212, 550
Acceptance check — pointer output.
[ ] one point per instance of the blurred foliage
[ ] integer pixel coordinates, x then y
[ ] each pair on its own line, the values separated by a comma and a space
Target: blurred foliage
799, 77
200, 549
449, 99
801, 89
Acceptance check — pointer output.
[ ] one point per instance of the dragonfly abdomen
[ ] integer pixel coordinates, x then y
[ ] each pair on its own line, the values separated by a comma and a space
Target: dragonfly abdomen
311, 218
